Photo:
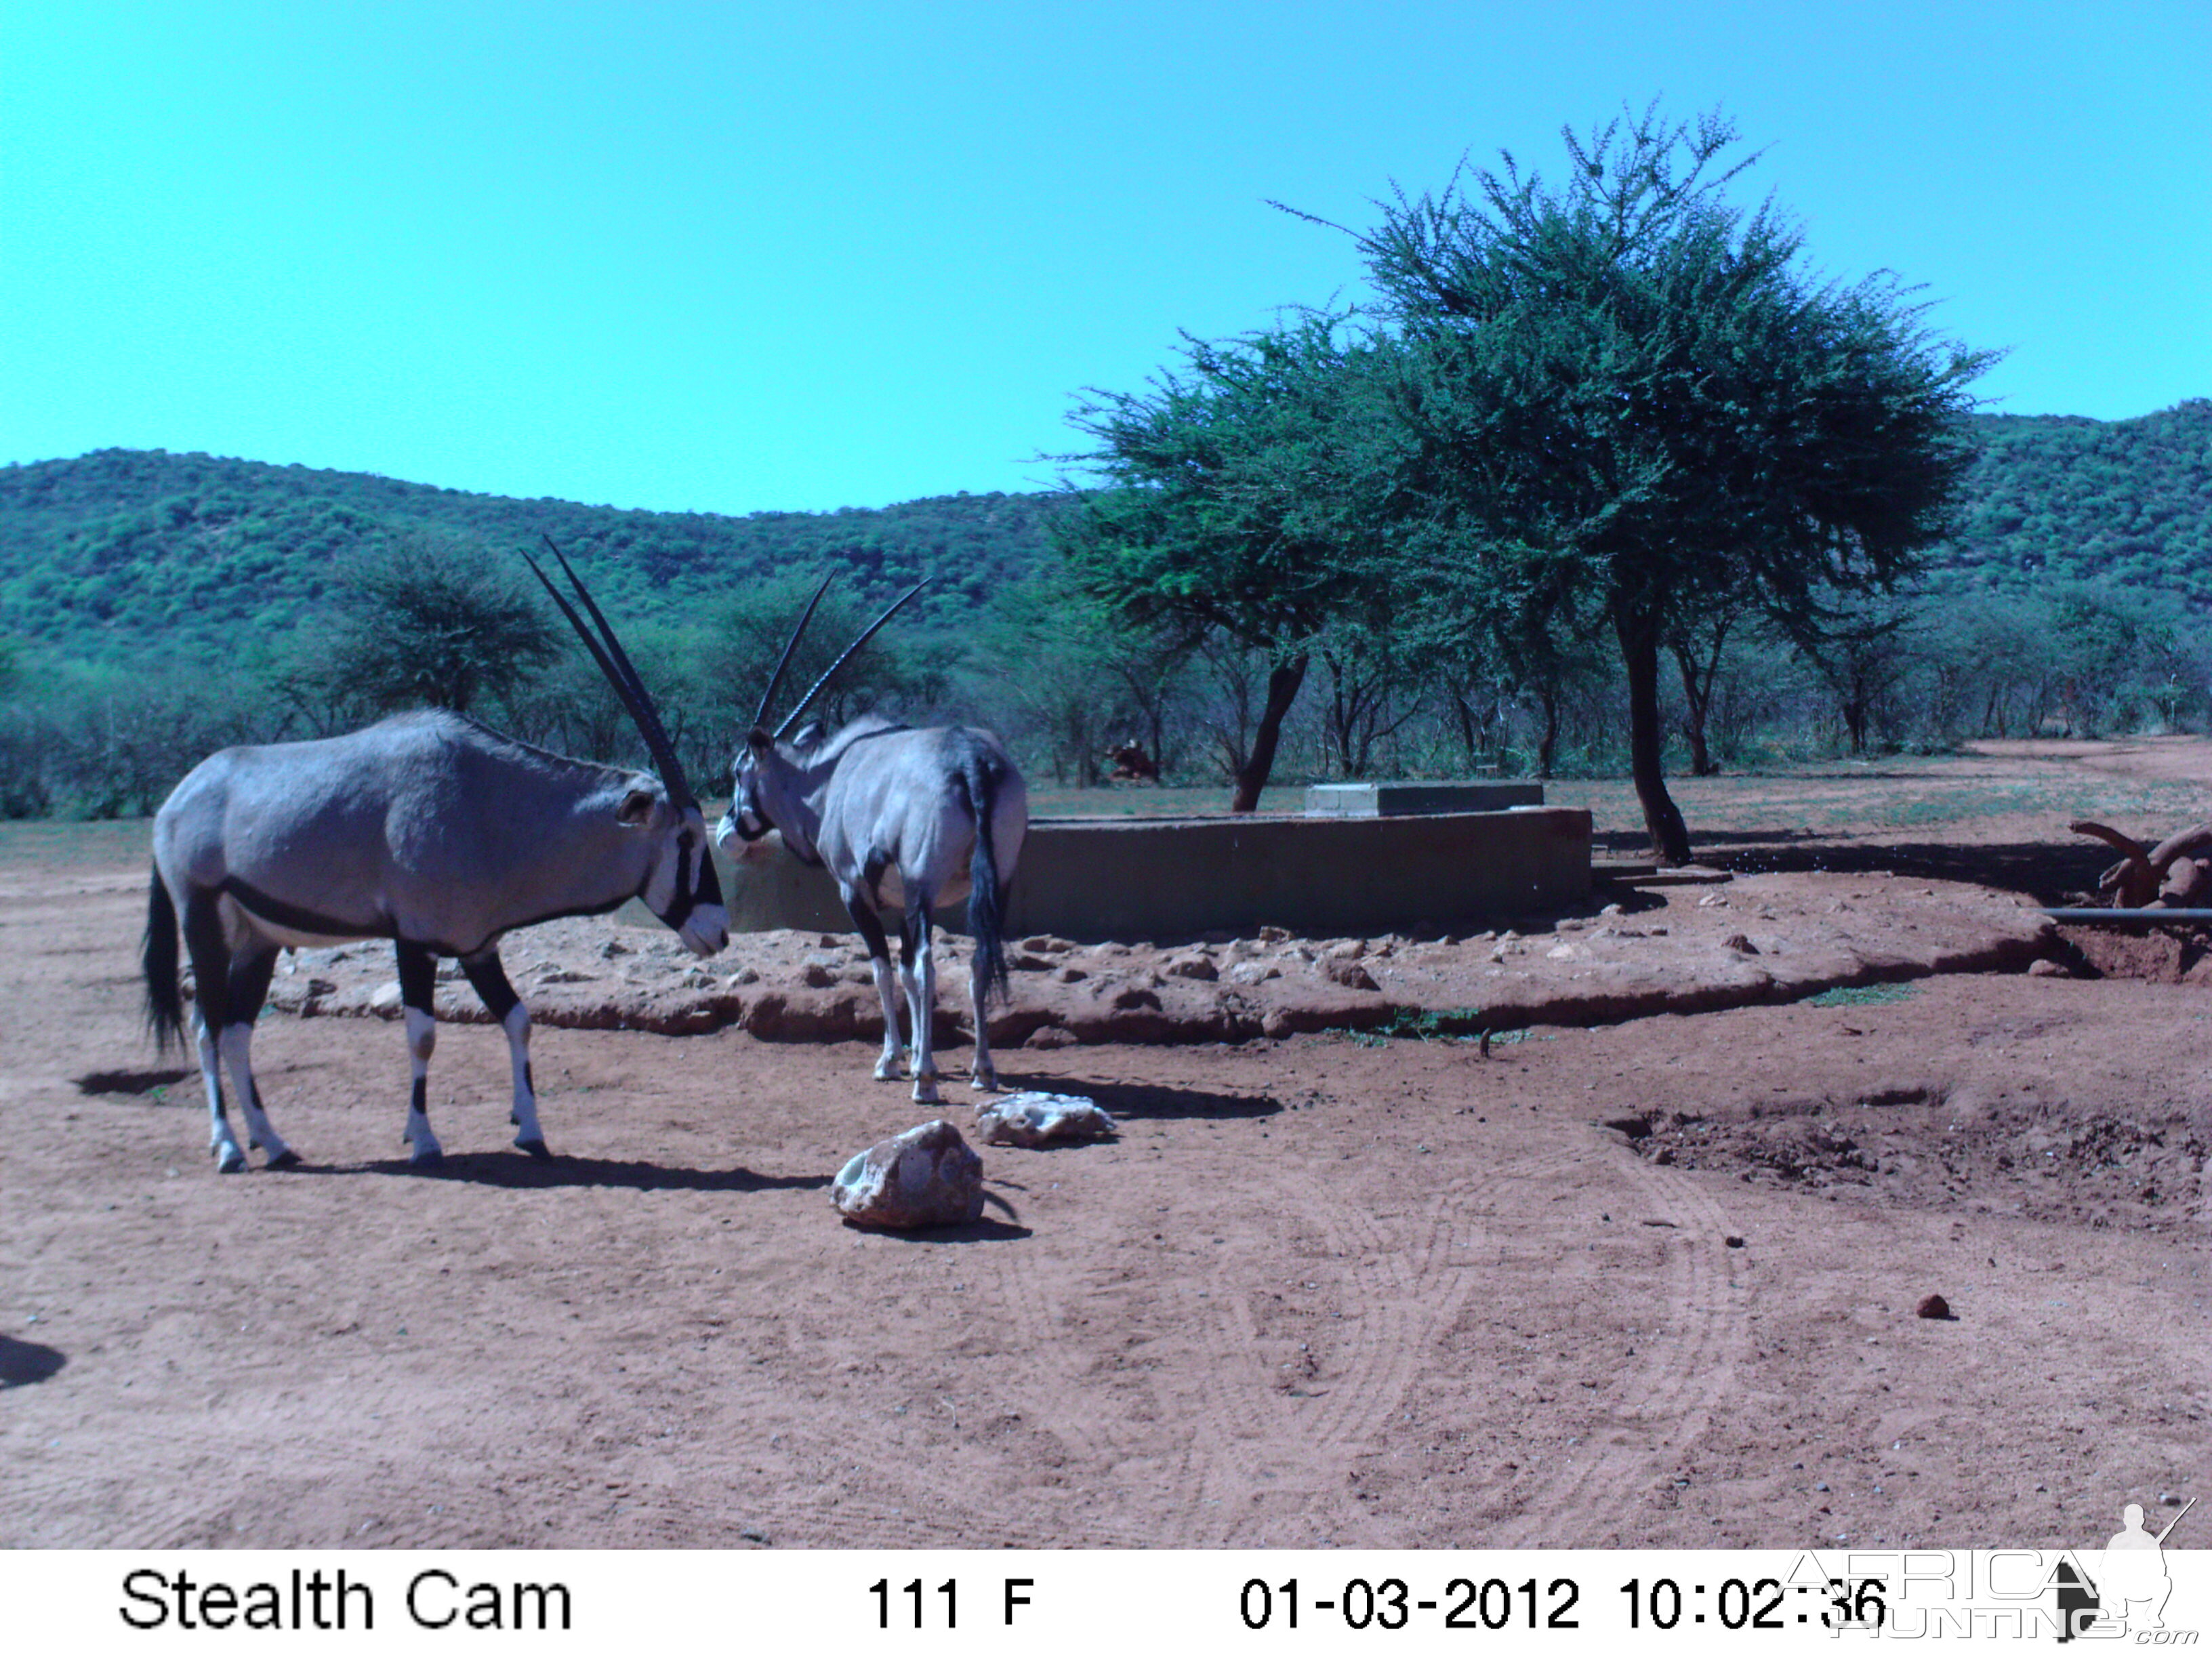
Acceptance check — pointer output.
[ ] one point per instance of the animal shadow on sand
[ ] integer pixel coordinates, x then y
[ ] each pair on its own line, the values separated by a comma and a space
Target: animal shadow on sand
130, 1083
22, 1362
1150, 1100
2049, 872
518, 1170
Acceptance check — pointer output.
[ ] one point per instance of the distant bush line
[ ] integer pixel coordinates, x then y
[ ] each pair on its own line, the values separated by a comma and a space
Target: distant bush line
155, 607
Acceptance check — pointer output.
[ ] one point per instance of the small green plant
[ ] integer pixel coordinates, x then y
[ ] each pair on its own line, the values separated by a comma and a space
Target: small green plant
1858, 996
1428, 1026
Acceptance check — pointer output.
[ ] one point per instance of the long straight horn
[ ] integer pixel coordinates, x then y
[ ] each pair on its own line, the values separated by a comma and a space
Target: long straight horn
790, 646
791, 719
614, 662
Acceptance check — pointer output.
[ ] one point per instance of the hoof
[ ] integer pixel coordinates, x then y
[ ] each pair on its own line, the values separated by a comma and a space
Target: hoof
232, 1162
987, 1082
535, 1148
890, 1071
924, 1093
286, 1159
429, 1160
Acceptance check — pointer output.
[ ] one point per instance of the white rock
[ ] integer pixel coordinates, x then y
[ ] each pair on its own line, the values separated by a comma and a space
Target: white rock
926, 1177
1037, 1119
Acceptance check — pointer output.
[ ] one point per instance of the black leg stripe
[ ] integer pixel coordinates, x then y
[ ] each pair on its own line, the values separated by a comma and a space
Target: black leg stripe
489, 977
418, 976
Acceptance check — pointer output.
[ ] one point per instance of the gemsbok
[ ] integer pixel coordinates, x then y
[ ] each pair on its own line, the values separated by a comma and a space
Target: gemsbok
429, 829
904, 819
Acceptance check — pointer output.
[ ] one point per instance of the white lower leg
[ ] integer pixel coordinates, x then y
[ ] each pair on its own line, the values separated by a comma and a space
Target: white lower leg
894, 1055
517, 1024
229, 1158
921, 999
237, 1047
421, 1040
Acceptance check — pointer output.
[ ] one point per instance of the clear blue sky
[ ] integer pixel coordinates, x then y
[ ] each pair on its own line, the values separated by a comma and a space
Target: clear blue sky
738, 257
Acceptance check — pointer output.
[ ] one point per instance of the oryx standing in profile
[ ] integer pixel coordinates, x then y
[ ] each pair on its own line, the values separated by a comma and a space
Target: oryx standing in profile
428, 829
905, 819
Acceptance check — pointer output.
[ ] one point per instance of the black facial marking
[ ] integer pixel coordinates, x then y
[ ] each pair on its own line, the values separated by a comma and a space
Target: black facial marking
694, 885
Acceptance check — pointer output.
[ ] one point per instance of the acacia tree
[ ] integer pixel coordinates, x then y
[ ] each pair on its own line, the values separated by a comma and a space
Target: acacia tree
731, 658
1246, 499
1624, 389
435, 622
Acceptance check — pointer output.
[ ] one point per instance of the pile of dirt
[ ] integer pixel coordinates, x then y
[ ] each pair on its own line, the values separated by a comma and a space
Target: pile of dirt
2174, 955
1680, 950
2047, 1160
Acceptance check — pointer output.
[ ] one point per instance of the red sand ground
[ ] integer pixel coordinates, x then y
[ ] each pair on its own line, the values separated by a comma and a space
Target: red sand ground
1647, 1282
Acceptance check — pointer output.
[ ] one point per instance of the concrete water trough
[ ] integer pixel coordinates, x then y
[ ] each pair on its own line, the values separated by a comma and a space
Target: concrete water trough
1398, 800
1090, 879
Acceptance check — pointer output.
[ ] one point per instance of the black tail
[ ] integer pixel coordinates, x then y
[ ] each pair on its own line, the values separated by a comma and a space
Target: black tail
986, 899
165, 999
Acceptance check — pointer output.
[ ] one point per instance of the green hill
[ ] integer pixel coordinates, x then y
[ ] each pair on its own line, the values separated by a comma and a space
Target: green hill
2056, 498
122, 553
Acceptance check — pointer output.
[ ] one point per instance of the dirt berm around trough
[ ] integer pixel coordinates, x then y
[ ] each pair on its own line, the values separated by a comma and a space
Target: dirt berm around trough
1687, 949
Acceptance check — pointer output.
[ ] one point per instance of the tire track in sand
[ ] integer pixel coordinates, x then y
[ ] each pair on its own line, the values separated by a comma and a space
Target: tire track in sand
1682, 1371
1401, 1283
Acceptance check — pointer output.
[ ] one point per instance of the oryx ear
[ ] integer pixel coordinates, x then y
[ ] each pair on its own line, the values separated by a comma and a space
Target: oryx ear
759, 741
637, 806
810, 735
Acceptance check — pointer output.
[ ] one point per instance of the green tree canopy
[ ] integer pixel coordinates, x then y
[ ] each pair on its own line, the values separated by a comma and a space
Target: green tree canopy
1625, 394
1248, 497
438, 622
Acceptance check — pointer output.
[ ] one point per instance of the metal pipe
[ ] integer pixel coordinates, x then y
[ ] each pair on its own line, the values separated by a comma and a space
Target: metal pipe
2076, 917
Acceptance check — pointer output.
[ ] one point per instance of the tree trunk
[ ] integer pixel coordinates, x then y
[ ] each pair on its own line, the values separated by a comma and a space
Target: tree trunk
1858, 705
1639, 653
1547, 745
1466, 730
1342, 714
1694, 715
1698, 697
1283, 682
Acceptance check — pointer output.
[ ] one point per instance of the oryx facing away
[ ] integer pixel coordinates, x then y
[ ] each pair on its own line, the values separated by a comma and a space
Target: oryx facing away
905, 819
431, 830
